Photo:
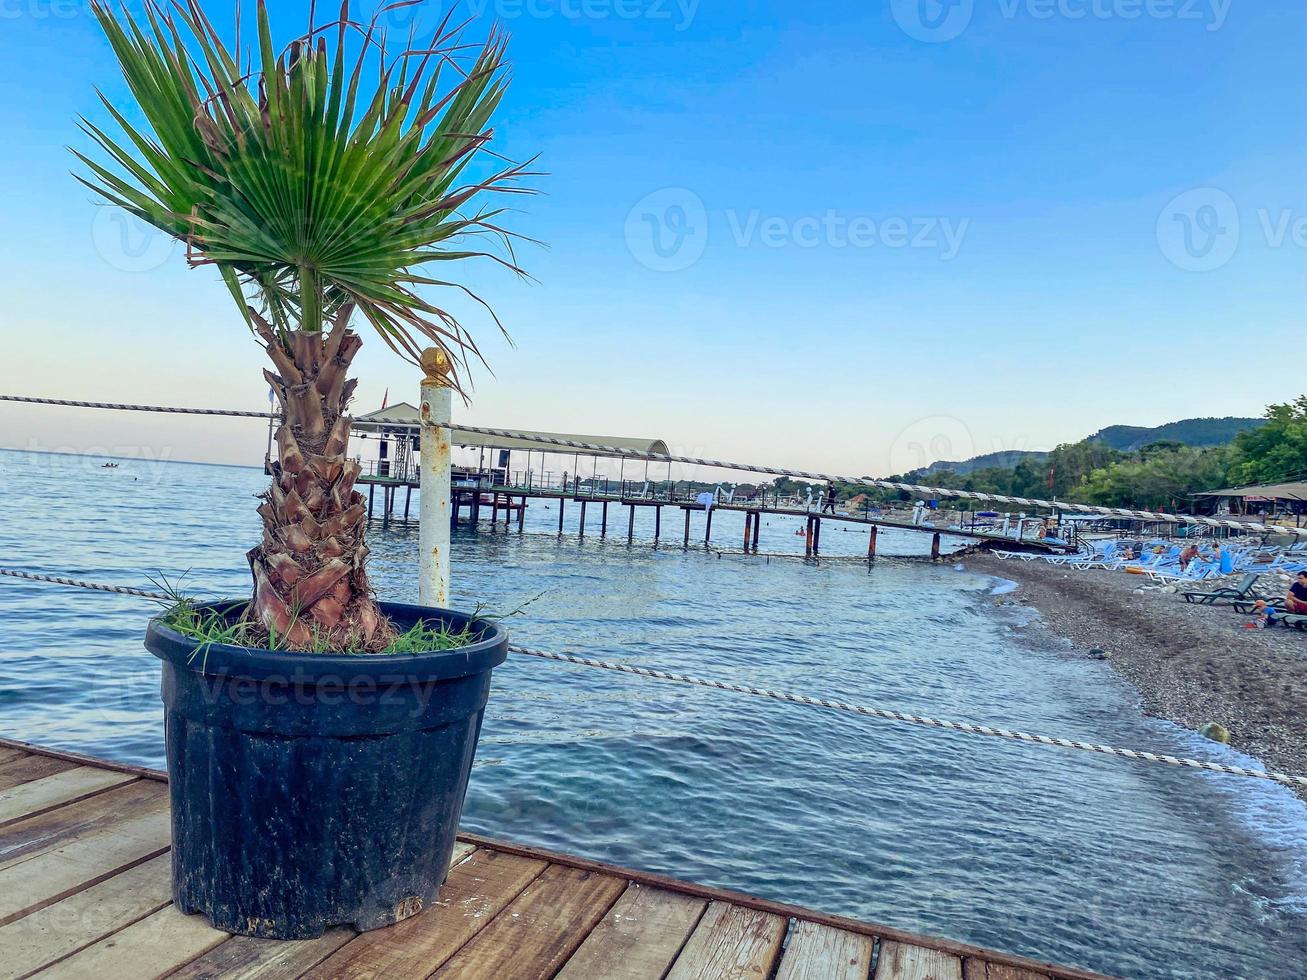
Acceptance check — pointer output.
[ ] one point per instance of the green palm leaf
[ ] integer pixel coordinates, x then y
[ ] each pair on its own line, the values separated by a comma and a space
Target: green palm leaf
308, 185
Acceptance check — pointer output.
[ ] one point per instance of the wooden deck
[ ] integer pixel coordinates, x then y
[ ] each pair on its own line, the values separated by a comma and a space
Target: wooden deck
84, 892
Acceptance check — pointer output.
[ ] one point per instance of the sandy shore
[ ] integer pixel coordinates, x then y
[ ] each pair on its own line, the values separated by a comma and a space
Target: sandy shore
1191, 664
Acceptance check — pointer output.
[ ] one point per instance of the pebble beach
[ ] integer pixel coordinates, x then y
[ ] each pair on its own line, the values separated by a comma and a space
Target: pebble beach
1193, 665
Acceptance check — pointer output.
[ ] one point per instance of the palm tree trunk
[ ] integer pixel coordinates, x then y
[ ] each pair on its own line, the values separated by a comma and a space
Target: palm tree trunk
311, 587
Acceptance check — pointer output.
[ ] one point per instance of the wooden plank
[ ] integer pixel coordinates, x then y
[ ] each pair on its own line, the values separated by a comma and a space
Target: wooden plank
30, 767
80, 862
145, 950
80, 759
9, 755
817, 952
61, 929
23, 839
903, 961
975, 969
731, 943
477, 890
29, 799
875, 931
639, 938
246, 958
539, 931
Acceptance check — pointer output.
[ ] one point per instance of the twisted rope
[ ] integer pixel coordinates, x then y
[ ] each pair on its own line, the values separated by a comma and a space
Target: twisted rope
79, 584
996, 498
968, 728
867, 481
69, 403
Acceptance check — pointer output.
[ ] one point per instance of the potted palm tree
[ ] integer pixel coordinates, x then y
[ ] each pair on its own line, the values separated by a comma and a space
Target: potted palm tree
318, 741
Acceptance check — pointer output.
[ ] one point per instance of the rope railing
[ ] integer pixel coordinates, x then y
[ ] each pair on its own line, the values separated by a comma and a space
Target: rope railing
865, 481
964, 727
165, 409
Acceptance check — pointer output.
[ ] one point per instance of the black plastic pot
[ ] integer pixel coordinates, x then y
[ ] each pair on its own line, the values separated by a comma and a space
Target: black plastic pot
313, 790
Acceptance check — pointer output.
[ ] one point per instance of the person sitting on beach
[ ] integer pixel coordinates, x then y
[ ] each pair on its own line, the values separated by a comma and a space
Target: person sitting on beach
1296, 601
1188, 555
1263, 615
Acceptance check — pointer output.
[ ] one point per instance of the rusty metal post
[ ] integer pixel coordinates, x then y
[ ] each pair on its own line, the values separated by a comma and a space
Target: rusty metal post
871, 545
433, 494
807, 538
757, 519
934, 546
816, 536
748, 527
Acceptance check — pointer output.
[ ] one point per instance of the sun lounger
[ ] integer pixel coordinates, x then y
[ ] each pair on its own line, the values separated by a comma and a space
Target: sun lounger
1295, 620
1244, 591
1196, 572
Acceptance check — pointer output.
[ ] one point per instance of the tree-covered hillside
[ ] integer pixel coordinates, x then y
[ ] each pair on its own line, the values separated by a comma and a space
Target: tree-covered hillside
1190, 432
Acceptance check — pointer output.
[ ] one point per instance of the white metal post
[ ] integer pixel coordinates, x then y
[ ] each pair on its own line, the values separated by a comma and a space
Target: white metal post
434, 510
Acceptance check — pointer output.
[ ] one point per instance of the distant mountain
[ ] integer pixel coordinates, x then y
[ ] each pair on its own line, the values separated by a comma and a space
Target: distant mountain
1125, 438
1191, 432
1006, 459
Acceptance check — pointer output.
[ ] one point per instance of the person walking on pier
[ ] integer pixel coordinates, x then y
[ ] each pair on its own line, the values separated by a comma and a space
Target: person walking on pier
829, 505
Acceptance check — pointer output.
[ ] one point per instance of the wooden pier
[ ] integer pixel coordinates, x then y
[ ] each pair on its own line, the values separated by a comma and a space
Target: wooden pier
85, 893
472, 505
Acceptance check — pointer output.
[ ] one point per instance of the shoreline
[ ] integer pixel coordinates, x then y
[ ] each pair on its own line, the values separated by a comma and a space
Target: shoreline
1190, 664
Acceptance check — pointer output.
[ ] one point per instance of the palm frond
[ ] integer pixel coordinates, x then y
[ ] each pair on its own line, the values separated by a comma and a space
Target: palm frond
310, 182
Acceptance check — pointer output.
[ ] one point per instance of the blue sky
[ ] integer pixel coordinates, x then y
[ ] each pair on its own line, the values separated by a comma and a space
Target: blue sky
846, 235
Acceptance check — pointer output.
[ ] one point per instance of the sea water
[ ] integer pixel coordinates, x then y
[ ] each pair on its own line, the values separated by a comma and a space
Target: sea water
1132, 869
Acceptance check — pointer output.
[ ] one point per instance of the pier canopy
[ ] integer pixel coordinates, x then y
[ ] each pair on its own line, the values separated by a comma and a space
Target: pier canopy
1271, 491
402, 417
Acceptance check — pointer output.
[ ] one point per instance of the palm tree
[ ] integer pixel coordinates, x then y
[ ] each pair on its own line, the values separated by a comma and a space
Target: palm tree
322, 184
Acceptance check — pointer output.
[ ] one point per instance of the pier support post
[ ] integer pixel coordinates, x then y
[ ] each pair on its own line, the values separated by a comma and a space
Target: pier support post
748, 527
934, 546
757, 520
433, 497
372, 489
408, 499
581, 527
807, 538
603, 526
521, 514
871, 544
630, 525
816, 536
562, 502
494, 511
707, 527
687, 527
658, 522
